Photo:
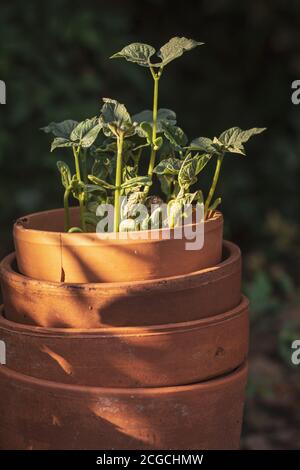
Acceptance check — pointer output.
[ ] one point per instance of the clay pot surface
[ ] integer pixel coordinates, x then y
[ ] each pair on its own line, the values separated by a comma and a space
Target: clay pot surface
44, 252
161, 355
37, 414
190, 297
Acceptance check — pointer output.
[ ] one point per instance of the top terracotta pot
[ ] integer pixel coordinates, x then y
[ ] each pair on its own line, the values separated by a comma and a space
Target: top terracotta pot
46, 253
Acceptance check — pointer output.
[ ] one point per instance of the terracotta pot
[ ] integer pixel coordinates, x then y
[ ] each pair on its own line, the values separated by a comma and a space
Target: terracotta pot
166, 355
39, 414
175, 299
45, 253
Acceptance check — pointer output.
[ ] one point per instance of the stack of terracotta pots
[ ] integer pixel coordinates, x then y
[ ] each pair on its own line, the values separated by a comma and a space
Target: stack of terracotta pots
121, 344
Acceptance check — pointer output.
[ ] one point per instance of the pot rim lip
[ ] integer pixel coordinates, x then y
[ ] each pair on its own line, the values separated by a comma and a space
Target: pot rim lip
111, 332
212, 383
166, 283
19, 229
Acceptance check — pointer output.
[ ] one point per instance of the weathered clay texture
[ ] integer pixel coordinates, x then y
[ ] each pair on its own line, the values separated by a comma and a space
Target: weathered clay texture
154, 356
200, 294
38, 414
45, 253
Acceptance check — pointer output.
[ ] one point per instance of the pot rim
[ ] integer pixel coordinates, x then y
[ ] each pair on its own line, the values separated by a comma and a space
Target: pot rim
124, 331
114, 392
227, 266
74, 238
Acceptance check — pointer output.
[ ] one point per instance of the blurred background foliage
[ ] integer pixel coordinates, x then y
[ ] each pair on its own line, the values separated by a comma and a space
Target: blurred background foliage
54, 60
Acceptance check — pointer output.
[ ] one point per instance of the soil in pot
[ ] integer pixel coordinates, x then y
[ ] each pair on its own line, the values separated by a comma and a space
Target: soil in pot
45, 252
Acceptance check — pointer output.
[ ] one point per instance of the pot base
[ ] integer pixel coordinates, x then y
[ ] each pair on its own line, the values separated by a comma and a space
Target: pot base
43, 415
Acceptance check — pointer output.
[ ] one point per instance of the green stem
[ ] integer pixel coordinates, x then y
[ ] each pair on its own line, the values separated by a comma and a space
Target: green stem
156, 78
120, 140
76, 153
67, 209
214, 184
77, 164
82, 210
84, 166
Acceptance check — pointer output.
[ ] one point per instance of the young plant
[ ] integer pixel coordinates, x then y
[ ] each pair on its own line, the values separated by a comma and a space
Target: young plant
143, 55
107, 151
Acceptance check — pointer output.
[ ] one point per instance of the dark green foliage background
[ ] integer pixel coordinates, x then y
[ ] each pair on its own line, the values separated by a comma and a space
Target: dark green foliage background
54, 60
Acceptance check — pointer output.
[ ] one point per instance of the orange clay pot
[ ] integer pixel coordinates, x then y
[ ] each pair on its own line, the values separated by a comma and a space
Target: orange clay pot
156, 356
45, 253
40, 415
182, 298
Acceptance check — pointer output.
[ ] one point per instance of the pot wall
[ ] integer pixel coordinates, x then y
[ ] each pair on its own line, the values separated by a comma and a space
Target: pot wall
42, 415
157, 356
44, 252
190, 297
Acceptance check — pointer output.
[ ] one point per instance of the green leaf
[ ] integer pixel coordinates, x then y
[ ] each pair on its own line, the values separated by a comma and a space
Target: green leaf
190, 168
60, 129
86, 132
136, 52
114, 112
65, 173
166, 184
175, 48
138, 181
175, 135
233, 139
100, 182
59, 142
169, 166
203, 144
147, 131
115, 117
163, 114
92, 188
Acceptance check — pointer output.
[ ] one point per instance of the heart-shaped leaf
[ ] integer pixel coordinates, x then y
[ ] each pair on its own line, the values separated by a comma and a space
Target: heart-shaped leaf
175, 48
163, 114
190, 168
115, 118
233, 139
138, 181
136, 52
174, 134
203, 144
168, 166
59, 142
60, 129
86, 132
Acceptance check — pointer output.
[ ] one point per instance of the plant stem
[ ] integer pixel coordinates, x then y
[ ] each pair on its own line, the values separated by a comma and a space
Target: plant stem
84, 166
67, 210
77, 165
82, 209
156, 78
120, 140
214, 184
82, 195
